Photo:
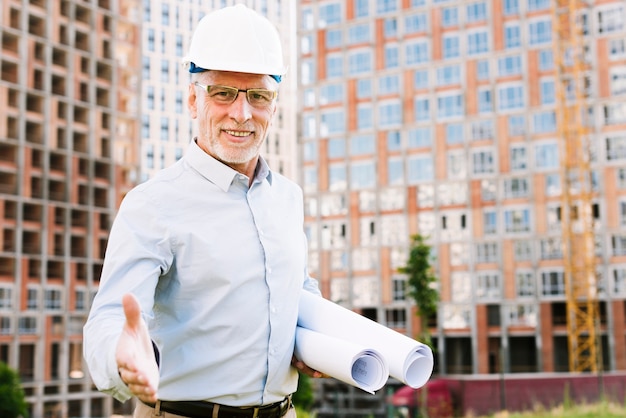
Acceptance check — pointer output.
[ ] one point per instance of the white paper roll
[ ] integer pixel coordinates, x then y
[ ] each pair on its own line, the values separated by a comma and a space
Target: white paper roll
360, 367
409, 361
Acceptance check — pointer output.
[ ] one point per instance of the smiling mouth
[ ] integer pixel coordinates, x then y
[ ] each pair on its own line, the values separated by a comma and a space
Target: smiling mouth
239, 134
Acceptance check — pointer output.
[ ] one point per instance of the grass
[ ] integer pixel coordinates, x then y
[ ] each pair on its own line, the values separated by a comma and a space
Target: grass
603, 409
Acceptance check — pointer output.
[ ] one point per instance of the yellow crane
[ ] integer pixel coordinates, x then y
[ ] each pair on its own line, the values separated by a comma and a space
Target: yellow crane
578, 241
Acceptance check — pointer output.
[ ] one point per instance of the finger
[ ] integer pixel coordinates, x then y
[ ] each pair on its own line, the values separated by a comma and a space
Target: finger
132, 310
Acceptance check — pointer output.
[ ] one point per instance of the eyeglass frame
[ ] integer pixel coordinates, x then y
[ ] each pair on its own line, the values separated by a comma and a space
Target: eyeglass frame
207, 88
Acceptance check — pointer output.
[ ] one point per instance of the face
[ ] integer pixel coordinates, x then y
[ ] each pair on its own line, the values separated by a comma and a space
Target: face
232, 133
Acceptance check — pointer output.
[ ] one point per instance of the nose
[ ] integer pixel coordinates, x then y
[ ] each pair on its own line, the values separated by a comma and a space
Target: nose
240, 110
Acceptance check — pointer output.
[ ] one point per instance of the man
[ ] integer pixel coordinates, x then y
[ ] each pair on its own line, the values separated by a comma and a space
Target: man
197, 306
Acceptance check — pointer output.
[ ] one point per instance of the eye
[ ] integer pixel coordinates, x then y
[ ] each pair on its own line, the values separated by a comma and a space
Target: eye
221, 93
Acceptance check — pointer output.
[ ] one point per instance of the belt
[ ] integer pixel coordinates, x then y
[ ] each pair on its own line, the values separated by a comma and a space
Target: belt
201, 409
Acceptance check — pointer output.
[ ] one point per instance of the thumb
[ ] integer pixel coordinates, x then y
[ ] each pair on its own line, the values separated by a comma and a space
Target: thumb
132, 311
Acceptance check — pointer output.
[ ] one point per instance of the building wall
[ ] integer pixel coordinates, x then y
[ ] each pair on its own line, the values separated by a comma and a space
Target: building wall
68, 152
439, 118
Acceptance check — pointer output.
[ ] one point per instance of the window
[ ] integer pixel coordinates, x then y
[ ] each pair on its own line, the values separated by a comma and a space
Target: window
451, 46
550, 248
449, 17
485, 101
386, 6
395, 318
415, 23
362, 145
546, 156
510, 7
534, 5
420, 79
524, 284
420, 168
516, 125
329, 14
389, 84
360, 62
392, 56
488, 190
448, 75
488, 286
516, 220
422, 109
617, 49
546, 60
552, 283
450, 105
611, 19
618, 80
417, 53
151, 40
334, 66
454, 133
516, 188
483, 162
477, 42
614, 113
476, 12
553, 184
361, 8
389, 114
518, 157
332, 122
364, 115
546, 91
309, 151
512, 36
487, 252
511, 65
482, 129
6, 298
419, 137
336, 148
618, 245
27, 325
394, 141
362, 175
522, 250
461, 286
337, 178
359, 34
398, 291
544, 122
482, 70
391, 27
618, 286
510, 97
334, 38
395, 171
364, 88
331, 93
540, 32
457, 165
621, 177
490, 222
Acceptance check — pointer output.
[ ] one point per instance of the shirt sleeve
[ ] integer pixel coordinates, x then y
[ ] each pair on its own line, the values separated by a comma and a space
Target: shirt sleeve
138, 252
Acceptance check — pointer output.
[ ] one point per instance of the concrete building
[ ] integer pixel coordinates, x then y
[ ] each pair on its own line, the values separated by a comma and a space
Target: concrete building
438, 117
69, 129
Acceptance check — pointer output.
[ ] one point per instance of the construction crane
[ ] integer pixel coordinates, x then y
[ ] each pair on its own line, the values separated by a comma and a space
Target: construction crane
573, 126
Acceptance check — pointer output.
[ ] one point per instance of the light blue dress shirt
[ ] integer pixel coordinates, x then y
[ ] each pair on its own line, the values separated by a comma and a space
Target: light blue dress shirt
217, 267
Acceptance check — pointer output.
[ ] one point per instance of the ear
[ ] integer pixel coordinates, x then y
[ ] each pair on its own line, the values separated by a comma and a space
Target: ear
192, 102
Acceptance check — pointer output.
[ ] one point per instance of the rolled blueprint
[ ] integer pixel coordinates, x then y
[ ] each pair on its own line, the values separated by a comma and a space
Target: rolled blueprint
351, 363
409, 361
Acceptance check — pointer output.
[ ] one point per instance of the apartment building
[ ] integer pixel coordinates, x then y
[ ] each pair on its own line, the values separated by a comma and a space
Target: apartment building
439, 117
69, 129
166, 128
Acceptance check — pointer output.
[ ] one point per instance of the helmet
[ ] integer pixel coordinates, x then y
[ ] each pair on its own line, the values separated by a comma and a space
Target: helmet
236, 38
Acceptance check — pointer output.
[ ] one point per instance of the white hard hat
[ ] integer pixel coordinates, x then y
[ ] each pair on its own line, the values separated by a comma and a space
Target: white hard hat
236, 38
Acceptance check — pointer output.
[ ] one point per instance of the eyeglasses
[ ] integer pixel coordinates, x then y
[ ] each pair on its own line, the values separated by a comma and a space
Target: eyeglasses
259, 98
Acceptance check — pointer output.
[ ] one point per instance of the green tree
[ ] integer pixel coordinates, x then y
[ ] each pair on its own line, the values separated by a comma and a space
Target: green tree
303, 397
12, 401
421, 287
421, 284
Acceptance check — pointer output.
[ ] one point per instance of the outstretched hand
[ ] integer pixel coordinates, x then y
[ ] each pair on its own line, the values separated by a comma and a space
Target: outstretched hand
135, 357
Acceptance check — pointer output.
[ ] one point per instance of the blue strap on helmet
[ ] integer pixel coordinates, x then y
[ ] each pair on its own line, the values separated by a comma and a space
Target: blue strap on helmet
193, 68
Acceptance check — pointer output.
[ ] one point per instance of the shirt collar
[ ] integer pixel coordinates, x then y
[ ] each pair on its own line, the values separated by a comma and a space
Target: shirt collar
219, 173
